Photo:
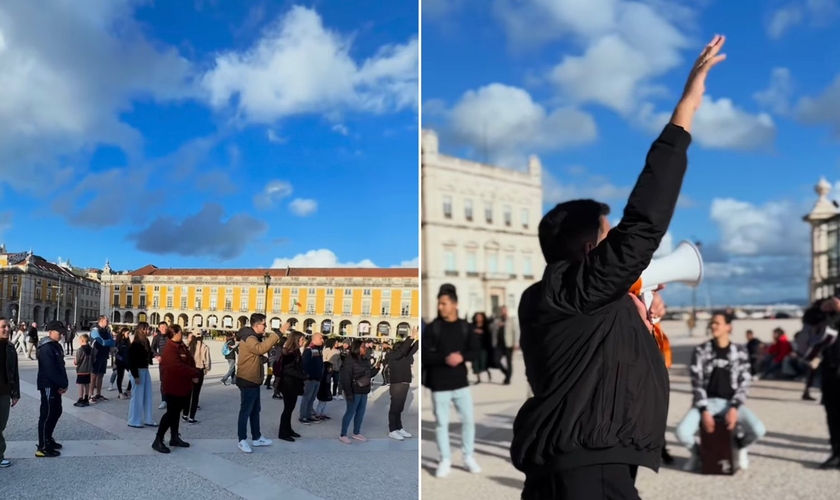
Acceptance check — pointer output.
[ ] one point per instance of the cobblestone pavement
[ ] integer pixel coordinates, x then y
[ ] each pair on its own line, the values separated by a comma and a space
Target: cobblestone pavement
103, 458
782, 466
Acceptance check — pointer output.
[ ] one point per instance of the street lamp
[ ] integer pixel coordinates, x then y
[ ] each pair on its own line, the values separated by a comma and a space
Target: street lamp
267, 279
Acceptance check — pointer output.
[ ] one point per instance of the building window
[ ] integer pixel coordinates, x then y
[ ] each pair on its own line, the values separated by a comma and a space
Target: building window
348, 307
525, 218
243, 304
488, 212
366, 292
366, 308
328, 307
447, 207
260, 303
472, 264
116, 287
14, 292
468, 210
277, 289
229, 291
214, 290
386, 308
228, 304
213, 303
183, 290
509, 267
492, 263
526, 268
129, 288
275, 304
508, 216
330, 292
386, 294
450, 266
183, 303
116, 299
244, 290
310, 306
169, 302
294, 291
142, 302
260, 291
155, 302
405, 309
142, 288
129, 302
170, 289
38, 294
348, 291
293, 304
311, 291
157, 288
198, 303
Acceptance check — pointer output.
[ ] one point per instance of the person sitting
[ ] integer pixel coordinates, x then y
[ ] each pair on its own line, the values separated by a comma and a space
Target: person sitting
776, 354
720, 377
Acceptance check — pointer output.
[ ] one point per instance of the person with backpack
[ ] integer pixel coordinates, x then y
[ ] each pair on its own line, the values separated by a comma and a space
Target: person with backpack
229, 350
447, 345
289, 375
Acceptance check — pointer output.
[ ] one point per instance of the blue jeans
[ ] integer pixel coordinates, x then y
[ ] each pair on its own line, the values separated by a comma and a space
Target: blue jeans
140, 408
690, 424
356, 412
464, 406
231, 373
310, 392
249, 409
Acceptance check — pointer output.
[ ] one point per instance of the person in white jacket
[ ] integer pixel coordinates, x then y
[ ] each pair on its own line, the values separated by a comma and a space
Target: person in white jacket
201, 353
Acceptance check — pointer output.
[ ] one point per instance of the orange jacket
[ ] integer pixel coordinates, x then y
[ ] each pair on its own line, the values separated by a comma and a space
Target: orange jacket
659, 335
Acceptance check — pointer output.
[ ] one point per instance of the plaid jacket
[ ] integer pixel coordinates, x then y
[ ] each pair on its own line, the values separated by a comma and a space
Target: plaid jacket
702, 364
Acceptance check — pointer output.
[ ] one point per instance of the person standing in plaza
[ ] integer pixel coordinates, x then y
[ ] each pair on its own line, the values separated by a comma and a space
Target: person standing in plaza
229, 351
179, 375
158, 344
250, 374
201, 354
9, 384
139, 360
446, 347
290, 382
32, 334
829, 348
356, 377
103, 341
83, 360
506, 335
68, 341
52, 383
400, 359
313, 367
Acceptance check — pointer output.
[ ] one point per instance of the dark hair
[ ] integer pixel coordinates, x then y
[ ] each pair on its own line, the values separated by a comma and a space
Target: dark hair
292, 342
171, 330
476, 315
566, 228
163, 323
257, 318
727, 317
356, 349
448, 290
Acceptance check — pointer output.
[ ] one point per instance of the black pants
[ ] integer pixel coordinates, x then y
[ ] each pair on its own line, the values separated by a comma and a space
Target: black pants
172, 418
190, 409
160, 373
50, 412
594, 482
508, 369
68, 344
831, 401
398, 394
120, 377
289, 402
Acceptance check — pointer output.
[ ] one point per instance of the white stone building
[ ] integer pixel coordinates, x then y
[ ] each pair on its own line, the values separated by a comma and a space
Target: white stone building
479, 231
825, 245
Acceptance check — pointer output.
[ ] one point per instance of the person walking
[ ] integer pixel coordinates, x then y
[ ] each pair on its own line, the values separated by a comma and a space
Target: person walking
179, 375
52, 383
201, 354
9, 384
32, 334
356, 377
139, 361
250, 374
288, 371
229, 350
400, 359
506, 339
313, 366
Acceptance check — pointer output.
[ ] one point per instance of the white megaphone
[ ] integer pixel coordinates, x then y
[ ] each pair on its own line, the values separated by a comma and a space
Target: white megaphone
683, 265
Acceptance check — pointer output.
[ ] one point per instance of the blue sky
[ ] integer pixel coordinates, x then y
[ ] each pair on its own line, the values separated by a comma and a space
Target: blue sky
587, 85
202, 133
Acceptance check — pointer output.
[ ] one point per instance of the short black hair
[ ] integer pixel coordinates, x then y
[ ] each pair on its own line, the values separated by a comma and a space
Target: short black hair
257, 318
727, 317
567, 227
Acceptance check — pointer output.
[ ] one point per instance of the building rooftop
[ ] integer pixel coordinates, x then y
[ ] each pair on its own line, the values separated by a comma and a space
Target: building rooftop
312, 272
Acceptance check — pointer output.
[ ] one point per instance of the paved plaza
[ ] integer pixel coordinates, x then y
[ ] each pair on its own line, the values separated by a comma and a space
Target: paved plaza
782, 466
103, 458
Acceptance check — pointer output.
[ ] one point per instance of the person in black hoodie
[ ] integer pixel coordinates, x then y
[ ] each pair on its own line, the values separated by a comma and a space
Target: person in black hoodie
159, 342
356, 378
400, 359
447, 345
52, 383
599, 381
289, 379
9, 384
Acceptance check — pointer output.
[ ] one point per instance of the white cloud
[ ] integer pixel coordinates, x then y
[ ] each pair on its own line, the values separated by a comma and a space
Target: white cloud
303, 207
507, 124
823, 109
341, 129
273, 192
817, 13
784, 19
318, 258
719, 124
274, 137
666, 246
776, 97
299, 67
595, 187
410, 264
772, 229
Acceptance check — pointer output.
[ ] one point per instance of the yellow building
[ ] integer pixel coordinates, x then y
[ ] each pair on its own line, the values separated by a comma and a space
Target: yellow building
353, 302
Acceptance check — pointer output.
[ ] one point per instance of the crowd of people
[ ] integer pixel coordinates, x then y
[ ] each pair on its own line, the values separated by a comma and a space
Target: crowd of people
290, 363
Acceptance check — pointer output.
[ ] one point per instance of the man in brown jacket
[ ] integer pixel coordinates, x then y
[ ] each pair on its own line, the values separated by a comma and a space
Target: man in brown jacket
250, 373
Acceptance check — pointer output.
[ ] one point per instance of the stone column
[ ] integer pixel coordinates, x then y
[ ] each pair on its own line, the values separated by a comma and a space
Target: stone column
824, 210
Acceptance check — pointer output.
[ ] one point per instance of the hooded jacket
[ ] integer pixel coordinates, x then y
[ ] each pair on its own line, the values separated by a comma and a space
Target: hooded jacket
177, 370
250, 365
599, 380
12, 368
51, 371
399, 361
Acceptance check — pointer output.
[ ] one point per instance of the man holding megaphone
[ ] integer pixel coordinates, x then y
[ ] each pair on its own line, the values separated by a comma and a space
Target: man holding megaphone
599, 381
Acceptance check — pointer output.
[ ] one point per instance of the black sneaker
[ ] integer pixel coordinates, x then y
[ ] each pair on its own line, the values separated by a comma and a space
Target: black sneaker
192, 421
53, 444
184, 418
159, 447
80, 403
305, 421
46, 453
294, 434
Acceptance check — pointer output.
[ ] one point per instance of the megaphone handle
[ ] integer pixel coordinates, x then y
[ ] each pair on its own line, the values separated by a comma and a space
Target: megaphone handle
647, 297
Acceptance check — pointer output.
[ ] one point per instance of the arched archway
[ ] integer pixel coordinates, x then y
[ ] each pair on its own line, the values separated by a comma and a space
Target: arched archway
116, 318
293, 322
227, 322
212, 321
169, 318
128, 317
275, 323
141, 317
403, 330
36, 314
183, 320
345, 328
13, 312
327, 327
309, 325
67, 316
242, 321
383, 329
198, 321
155, 319
47, 316
364, 329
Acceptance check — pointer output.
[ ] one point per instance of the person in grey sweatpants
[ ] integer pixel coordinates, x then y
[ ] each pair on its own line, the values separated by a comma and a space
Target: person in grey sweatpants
313, 368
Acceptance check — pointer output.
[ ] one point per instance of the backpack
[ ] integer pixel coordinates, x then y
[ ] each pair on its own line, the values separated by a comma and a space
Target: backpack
225, 349
433, 340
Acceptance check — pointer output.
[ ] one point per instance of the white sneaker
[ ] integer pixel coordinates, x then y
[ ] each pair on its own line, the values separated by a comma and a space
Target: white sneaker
262, 441
692, 462
471, 465
743, 459
404, 433
112, 388
243, 446
162, 405
443, 469
396, 435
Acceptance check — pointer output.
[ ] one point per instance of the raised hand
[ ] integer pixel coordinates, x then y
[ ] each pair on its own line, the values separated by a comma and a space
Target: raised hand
695, 87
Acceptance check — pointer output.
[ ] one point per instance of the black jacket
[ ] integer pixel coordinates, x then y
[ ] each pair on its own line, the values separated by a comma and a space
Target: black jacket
139, 356
439, 340
599, 380
289, 371
356, 377
12, 370
399, 361
159, 342
51, 371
